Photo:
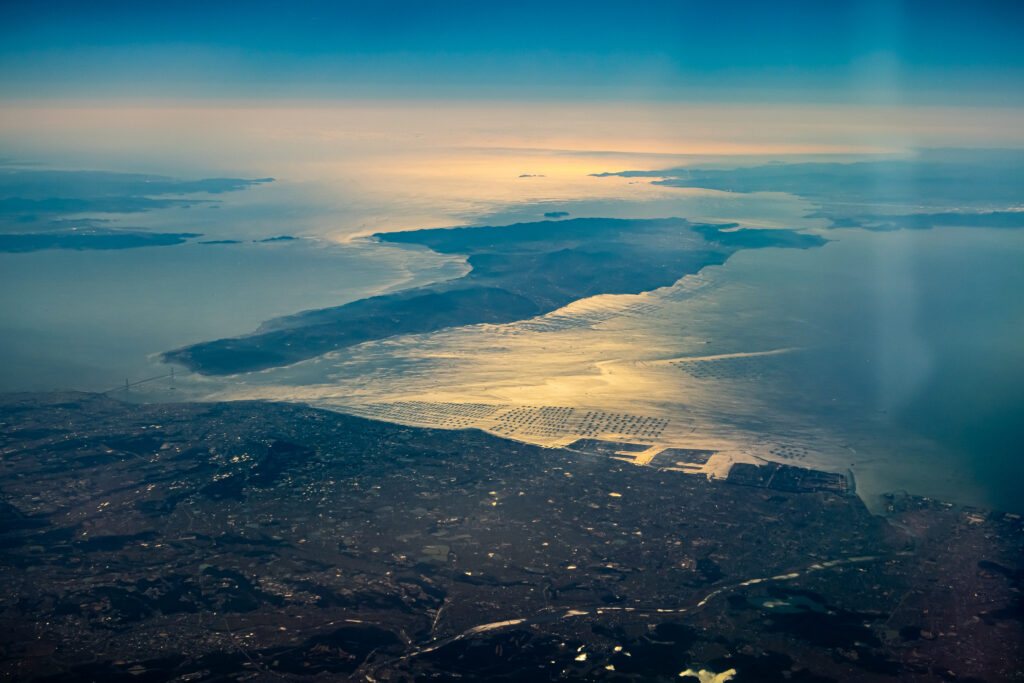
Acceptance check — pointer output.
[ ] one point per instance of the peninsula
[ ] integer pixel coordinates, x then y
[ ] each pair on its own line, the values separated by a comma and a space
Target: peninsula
518, 272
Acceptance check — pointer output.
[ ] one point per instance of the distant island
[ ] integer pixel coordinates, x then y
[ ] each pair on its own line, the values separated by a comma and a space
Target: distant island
52, 209
951, 188
518, 272
122, 239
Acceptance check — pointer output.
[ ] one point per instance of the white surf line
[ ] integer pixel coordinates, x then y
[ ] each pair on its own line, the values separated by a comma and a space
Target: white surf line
722, 356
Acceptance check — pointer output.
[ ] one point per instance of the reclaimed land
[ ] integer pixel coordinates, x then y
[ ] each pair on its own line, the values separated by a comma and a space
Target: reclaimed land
518, 272
267, 542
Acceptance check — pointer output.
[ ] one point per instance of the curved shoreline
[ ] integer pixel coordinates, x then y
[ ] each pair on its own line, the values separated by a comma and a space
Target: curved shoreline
518, 272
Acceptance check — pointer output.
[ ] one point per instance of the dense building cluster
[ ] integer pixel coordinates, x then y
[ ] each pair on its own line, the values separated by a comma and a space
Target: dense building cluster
254, 541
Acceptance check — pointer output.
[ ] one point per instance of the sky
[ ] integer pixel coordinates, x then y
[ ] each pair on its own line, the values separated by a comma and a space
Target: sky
381, 116
875, 51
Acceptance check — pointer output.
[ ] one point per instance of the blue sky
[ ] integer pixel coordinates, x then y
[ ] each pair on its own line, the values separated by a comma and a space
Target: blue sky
788, 51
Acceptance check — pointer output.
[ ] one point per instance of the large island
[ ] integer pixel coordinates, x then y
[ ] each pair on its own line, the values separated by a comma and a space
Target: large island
518, 272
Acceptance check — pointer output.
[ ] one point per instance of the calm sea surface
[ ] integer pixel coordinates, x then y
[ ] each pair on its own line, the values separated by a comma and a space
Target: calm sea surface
87, 320
907, 344
912, 351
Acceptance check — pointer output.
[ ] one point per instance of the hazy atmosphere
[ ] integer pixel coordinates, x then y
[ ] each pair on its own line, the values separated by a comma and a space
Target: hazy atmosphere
374, 293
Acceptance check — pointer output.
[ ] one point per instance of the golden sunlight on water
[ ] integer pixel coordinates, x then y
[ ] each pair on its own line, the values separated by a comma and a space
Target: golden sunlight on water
609, 367
689, 366
734, 360
365, 166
